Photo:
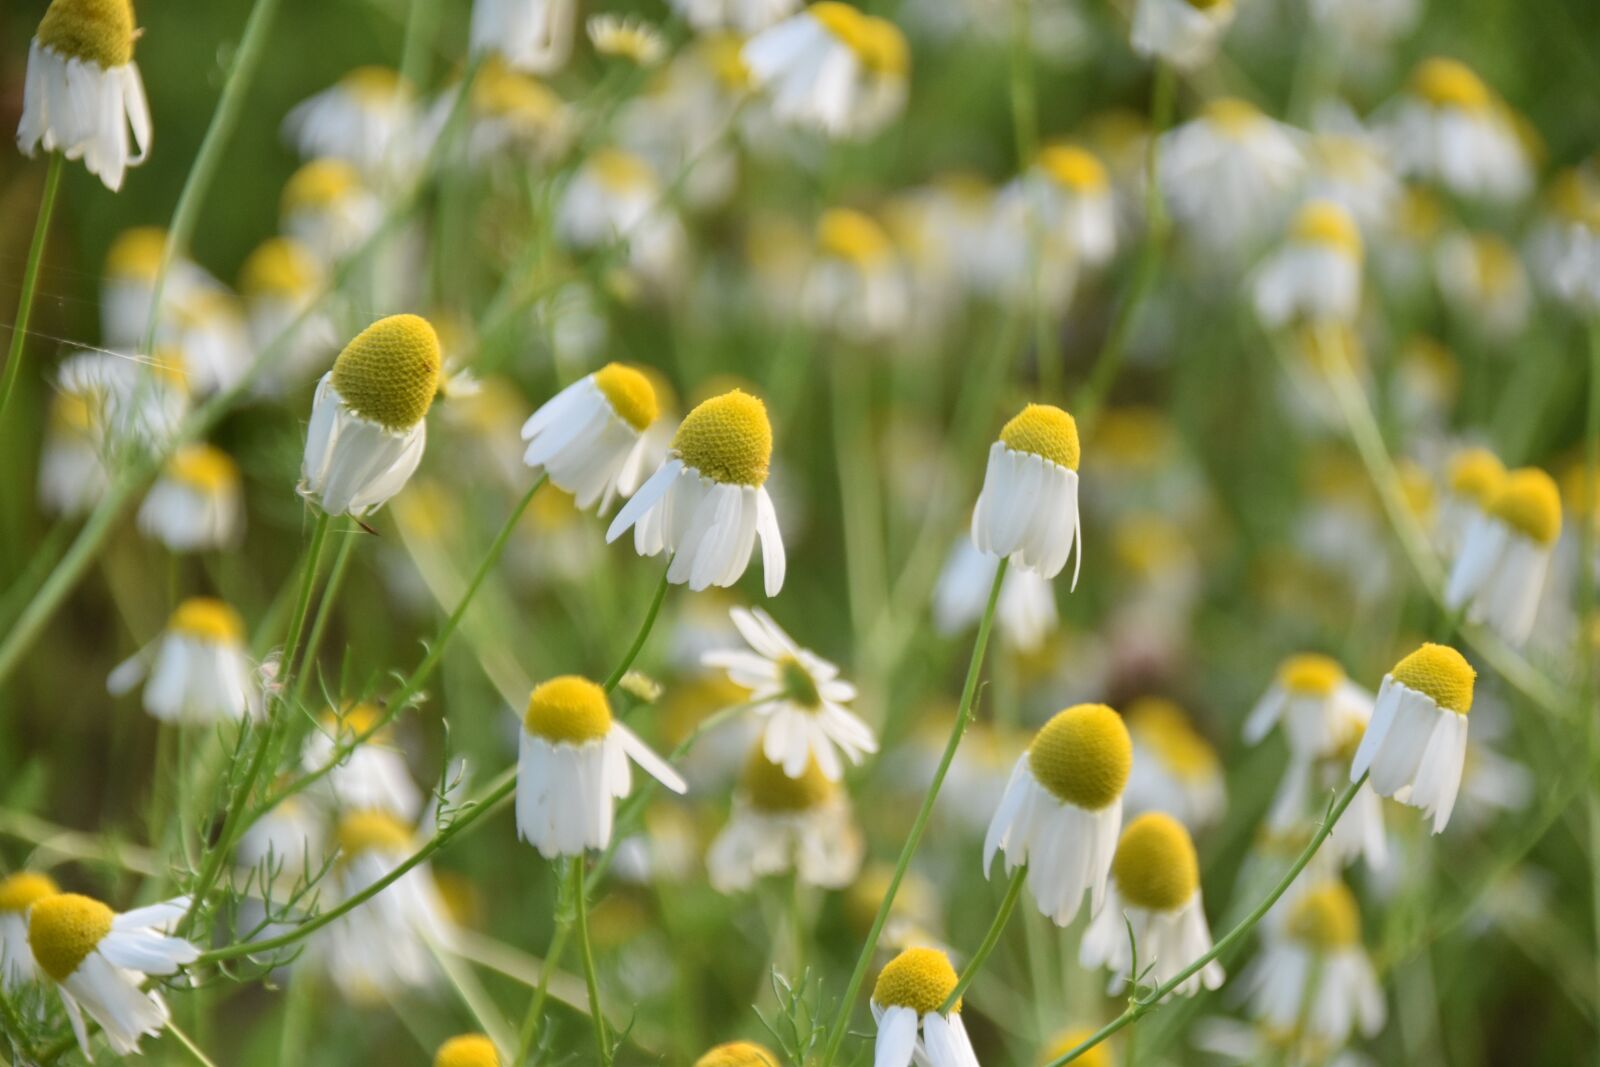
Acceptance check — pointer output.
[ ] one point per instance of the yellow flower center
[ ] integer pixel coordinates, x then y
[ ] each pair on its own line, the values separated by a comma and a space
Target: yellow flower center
137, 253
356, 720
390, 372
727, 439
1311, 674
1477, 474
500, 91
568, 709
320, 184
63, 929
372, 831
1044, 431
919, 979
724, 54
1145, 543
854, 238
1155, 866
1529, 502
20, 891
877, 43
1323, 222
619, 171
1164, 728
1439, 672
737, 1054
630, 394
468, 1050
100, 31
1450, 83
373, 85
1083, 756
1575, 197
208, 619
280, 266
769, 789
1135, 435
1076, 168
1067, 1040
1207, 5
1232, 116
205, 468
1326, 918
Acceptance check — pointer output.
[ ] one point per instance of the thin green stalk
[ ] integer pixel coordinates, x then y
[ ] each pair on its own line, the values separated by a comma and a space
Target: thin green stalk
969, 693
859, 504
30, 281
990, 939
541, 992
643, 635
1141, 1006
330, 594
1024, 120
602, 1040
1586, 614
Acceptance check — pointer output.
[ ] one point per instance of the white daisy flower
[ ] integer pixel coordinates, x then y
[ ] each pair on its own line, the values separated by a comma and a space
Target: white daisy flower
1416, 742
197, 504
1500, 571
744, 17
327, 207
1482, 278
1368, 22
373, 776
199, 670
1069, 196
1028, 509
131, 401
1062, 810
617, 196
209, 334
366, 118
1315, 278
508, 112
530, 35
1317, 954
98, 959
1350, 166
72, 472
1155, 889
368, 425
589, 438
1026, 613
279, 281
1565, 247
127, 287
1227, 174
572, 764
1451, 128
18, 893
856, 285
706, 505
799, 693
782, 823
1314, 699
83, 93
1185, 33
1175, 769
627, 38
832, 68
908, 1006
1302, 800
1473, 478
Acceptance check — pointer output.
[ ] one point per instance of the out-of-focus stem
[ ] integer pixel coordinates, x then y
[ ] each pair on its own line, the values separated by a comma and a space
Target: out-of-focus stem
990, 939
30, 281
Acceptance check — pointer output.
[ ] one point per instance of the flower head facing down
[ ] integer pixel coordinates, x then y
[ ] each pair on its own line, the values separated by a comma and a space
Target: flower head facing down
1416, 744
197, 504
1028, 509
18, 893
727, 439
1083, 756
590, 439
908, 1004
389, 373
832, 68
467, 1050
782, 823
737, 1054
198, 670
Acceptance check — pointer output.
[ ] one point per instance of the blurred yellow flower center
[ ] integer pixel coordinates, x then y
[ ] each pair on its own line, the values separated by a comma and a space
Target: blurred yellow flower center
100, 31
1440, 672
727, 439
372, 831
737, 1054
877, 43
630, 394
1207, 5
724, 54
1311, 674
919, 979
1232, 116
1044, 431
468, 1050
320, 184
619, 171
63, 929
1083, 756
1477, 474
1074, 167
1326, 917
354, 722
203, 467
1067, 1040
1323, 222
1144, 544
21, 890
770, 789
1163, 728
137, 253
1575, 197
1135, 435
208, 619
568, 709
390, 372
854, 238
1529, 502
1155, 866
280, 266
1449, 83
502, 92
373, 85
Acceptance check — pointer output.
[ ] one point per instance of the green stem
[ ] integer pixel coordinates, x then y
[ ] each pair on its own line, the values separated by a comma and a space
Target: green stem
602, 1040
963, 715
541, 992
990, 939
330, 593
859, 502
1141, 1006
1586, 611
643, 635
30, 281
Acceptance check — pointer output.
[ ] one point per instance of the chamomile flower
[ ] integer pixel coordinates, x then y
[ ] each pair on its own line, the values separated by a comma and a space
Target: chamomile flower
572, 764
856, 285
706, 505
1227, 173
279, 281
1565, 247
743, 17
1450, 128
799, 693
1155, 890
1062, 809
97, 959
72, 472
1350, 166
1175, 769
1370, 23
589, 438
1482, 278
784, 822
18, 893
1472, 478
83, 93
197, 504
1185, 33
130, 401
908, 1006
209, 335
327, 206
1313, 698
368, 425
631, 39
364, 118
1416, 743
1315, 278
1317, 954
467, 1050
617, 196
1026, 613
832, 68
534, 36
1500, 571
198, 671
510, 112
1070, 196
682, 120
737, 1054
127, 287
372, 776
1028, 509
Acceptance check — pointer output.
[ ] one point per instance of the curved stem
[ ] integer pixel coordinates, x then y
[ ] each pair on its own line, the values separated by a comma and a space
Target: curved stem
30, 281
963, 714
601, 1039
639, 639
541, 992
990, 939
